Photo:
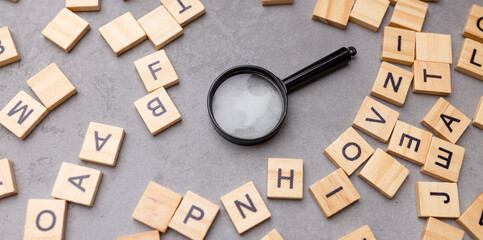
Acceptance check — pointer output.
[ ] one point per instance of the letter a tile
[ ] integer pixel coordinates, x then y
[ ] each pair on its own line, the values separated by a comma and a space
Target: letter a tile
102, 144
410, 143
45, 219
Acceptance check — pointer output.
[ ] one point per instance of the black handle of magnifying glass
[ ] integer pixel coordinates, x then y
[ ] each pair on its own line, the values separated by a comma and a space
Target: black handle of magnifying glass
319, 68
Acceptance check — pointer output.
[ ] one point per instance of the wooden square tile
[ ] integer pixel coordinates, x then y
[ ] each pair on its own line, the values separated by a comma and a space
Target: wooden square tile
361, 233
83, 5
375, 119
77, 184
157, 206
392, 84
398, 45
22, 114
470, 59
410, 143
8, 50
437, 199
444, 160
102, 144
51, 86
333, 12
369, 13
66, 30
409, 14
446, 121
435, 229
285, 178
123, 33
8, 185
157, 111
432, 78
273, 235
276, 2
156, 71
474, 24
194, 216
433, 47
184, 11
472, 218
245, 207
45, 219
151, 235
160, 27
334, 192
478, 117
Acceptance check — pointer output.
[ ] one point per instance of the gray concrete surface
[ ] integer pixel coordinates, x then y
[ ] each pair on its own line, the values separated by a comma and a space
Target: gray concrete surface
191, 155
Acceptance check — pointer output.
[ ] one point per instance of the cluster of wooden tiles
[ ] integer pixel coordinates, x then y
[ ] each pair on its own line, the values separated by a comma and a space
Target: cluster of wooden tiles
470, 57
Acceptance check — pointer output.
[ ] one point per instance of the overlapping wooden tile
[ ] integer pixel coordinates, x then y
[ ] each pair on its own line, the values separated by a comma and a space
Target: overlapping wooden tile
444, 160
472, 218
156, 71
160, 27
470, 59
433, 47
398, 45
478, 117
474, 24
83, 5
409, 14
45, 219
285, 178
8, 50
102, 144
369, 13
437, 199
184, 11
151, 235
392, 84
435, 229
431, 78
360, 234
333, 12
8, 185
66, 30
123, 33
410, 143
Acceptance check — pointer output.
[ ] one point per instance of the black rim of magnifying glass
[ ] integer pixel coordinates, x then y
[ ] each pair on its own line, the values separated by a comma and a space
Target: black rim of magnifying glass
261, 72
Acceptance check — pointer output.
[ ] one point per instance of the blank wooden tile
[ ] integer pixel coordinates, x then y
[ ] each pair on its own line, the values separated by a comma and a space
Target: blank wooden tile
432, 78
245, 207
77, 184
472, 218
285, 178
273, 235
433, 47
410, 143
444, 160
157, 206
160, 27
392, 84
384, 173
359, 234
349, 151
470, 59
184, 11
398, 45
333, 12
194, 216
8, 50
474, 25
83, 5
276, 2
409, 14
157, 111
446, 121
369, 13
102, 144
151, 235
478, 117
437, 199
22, 114
8, 185
156, 71
435, 229
123, 33
375, 119
51, 86
334, 192
45, 219
66, 30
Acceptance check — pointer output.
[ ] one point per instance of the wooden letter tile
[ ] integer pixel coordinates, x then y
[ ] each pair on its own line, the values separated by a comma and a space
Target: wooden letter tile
478, 117
333, 12
151, 235
8, 186
285, 178
409, 14
446, 121
156, 71
157, 111
392, 84
245, 207
433, 47
157, 206
160, 27
472, 218
8, 51
435, 229
437, 199
375, 119
273, 235
66, 30
102, 144
77, 184
384, 173
334, 192
22, 114
359, 234
276, 2
349, 151
83, 5
398, 45
410, 143
444, 160
51, 86
369, 13
45, 219
184, 11
474, 23
470, 59
123, 33
194, 216
431, 78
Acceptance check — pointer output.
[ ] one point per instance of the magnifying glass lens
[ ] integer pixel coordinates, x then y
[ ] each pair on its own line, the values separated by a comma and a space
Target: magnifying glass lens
247, 106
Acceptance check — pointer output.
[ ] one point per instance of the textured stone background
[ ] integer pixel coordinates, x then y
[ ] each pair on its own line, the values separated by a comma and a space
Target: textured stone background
190, 155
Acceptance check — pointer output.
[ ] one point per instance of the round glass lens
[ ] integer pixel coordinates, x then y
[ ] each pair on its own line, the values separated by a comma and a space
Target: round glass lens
247, 106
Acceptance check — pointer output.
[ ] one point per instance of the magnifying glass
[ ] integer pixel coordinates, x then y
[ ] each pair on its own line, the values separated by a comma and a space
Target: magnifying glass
247, 104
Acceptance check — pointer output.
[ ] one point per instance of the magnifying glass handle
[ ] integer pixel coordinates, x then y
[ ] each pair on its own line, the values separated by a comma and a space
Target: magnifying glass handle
321, 67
